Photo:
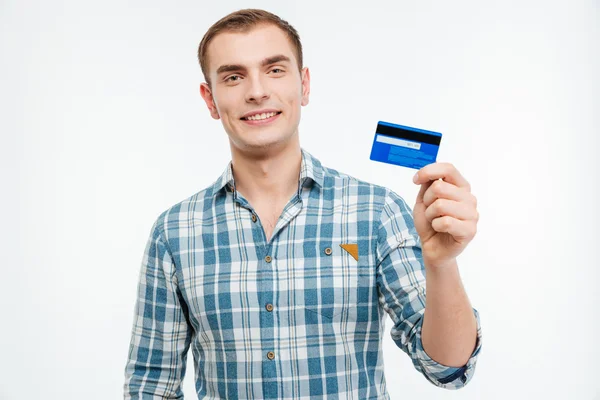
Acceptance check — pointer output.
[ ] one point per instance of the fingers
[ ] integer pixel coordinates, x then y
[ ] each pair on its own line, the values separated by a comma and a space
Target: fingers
451, 208
445, 171
443, 190
460, 230
449, 205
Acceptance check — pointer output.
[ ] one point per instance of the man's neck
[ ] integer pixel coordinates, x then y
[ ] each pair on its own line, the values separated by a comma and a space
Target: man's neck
269, 176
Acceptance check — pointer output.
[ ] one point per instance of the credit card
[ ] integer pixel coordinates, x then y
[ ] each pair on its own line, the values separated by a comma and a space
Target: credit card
405, 146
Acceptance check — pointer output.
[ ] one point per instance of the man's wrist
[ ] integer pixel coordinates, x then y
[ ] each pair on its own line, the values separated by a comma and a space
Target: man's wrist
441, 267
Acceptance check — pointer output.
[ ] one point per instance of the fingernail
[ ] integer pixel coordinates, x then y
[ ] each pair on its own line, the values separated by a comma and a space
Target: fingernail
416, 177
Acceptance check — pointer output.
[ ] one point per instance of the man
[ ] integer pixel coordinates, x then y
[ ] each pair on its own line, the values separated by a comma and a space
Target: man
280, 274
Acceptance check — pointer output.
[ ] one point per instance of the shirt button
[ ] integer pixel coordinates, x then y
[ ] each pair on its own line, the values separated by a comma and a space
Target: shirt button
269, 307
253, 218
270, 355
328, 251
268, 259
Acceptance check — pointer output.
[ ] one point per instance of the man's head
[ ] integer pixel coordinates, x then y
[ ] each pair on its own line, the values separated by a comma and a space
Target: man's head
252, 62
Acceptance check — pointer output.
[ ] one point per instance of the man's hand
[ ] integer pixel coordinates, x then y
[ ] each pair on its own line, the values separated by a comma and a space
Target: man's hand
445, 214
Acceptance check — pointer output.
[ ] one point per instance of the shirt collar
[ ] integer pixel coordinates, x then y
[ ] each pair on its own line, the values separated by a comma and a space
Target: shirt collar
311, 171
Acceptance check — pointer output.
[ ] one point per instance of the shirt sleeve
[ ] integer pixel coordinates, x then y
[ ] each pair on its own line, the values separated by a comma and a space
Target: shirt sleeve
161, 335
401, 286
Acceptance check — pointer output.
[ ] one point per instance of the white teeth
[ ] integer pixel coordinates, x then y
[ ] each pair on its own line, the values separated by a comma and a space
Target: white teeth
259, 117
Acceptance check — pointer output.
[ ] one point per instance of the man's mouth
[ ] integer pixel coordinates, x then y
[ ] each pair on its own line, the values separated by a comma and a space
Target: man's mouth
260, 117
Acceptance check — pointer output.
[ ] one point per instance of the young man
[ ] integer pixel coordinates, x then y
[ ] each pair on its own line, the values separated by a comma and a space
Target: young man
280, 275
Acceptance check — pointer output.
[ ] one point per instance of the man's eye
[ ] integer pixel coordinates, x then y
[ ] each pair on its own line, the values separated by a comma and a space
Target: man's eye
230, 78
276, 70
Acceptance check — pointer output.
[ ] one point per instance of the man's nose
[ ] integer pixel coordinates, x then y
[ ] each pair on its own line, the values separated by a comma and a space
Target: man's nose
257, 90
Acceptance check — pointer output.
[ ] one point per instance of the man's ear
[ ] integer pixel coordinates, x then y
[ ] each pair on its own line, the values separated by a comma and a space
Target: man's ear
305, 75
206, 94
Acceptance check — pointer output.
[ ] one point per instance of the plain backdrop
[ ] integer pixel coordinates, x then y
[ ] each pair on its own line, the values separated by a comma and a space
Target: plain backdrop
103, 128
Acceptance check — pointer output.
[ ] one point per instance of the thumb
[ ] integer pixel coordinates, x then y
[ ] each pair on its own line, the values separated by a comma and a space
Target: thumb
424, 187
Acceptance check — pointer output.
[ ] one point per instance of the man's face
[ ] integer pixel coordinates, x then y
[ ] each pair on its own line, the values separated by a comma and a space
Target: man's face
257, 90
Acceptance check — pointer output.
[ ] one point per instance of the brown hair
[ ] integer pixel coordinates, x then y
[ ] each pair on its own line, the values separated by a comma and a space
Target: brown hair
243, 21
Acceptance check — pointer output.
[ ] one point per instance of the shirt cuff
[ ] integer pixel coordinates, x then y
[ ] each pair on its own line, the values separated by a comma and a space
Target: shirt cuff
445, 376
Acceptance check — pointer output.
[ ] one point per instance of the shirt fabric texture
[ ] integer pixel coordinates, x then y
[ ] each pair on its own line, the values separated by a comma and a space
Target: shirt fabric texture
297, 317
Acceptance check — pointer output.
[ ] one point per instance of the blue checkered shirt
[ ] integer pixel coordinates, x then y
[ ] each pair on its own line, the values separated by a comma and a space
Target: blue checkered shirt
300, 316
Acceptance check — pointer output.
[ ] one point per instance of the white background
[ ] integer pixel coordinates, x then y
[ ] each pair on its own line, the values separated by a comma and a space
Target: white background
103, 128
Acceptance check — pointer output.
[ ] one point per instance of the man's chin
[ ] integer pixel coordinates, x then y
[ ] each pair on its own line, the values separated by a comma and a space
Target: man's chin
259, 145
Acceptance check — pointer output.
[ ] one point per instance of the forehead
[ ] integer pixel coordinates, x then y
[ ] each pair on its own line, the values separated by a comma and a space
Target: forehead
249, 48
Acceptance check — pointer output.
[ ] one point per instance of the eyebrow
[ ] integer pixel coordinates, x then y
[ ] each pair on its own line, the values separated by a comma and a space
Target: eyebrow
267, 61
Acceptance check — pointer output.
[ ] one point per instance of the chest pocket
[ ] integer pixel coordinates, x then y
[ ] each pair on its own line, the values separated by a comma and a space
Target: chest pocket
332, 286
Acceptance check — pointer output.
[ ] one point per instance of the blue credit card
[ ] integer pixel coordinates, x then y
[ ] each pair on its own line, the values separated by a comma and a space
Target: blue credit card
405, 146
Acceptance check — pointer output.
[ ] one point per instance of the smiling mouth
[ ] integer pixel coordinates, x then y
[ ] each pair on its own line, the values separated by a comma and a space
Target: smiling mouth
260, 117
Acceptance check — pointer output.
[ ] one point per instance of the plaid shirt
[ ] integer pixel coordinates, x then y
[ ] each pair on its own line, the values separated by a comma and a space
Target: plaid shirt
301, 316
